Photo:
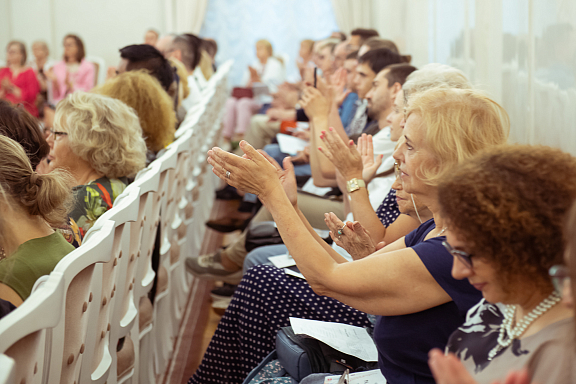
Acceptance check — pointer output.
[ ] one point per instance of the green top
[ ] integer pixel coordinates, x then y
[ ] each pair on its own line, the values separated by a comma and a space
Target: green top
32, 259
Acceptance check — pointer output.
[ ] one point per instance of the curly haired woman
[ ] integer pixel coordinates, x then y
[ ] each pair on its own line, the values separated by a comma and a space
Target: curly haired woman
505, 211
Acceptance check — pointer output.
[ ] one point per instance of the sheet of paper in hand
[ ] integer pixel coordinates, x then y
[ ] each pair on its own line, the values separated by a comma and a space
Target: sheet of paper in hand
345, 338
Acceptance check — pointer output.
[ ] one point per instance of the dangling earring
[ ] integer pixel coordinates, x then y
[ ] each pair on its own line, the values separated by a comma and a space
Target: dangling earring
416, 209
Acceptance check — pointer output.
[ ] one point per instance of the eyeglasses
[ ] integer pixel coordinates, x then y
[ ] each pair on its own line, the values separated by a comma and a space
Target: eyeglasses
57, 133
397, 171
560, 276
464, 257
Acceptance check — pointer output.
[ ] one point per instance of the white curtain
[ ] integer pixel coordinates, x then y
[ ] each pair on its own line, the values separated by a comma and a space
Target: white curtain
189, 15
351, 14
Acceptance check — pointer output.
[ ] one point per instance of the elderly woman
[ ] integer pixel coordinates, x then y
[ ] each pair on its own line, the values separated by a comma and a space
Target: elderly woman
99, 141
505, 212
408, 282
154, 108
18, 83
73, 72
31, 205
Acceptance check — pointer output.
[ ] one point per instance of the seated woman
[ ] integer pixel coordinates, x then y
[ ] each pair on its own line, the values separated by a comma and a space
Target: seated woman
18, 83
267, 70
407, 283
19, 125
99, 140
505, 211
73, 72
154, 108
30, 205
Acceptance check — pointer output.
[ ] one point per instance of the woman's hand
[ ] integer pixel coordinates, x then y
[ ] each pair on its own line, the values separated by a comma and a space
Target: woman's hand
345, 158
314, 104
354, 238
447, 369
338, 87
370, 164
286, 176
251, 173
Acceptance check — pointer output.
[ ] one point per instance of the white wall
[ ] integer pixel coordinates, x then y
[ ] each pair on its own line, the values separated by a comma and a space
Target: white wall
517, 50
104, 25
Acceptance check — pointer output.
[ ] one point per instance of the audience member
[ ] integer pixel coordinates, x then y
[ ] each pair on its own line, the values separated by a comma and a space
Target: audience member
73, 72
18, 83
211, 47
17, 124
99, 141
305, 55
41, 63
151, 37
377, 43
183, 88
505, 233
338, 35
360, 35
407, 283
154, 108
324, 57
267, 70
31, 204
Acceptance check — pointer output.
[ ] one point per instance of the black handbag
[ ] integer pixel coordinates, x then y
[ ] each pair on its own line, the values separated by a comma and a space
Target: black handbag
261, 234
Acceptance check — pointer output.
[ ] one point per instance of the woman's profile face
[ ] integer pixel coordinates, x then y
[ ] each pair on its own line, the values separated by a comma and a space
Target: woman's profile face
61, 156
70, 48
414, 155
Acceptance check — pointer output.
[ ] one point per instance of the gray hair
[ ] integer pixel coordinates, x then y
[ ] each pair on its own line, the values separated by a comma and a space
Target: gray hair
435, 75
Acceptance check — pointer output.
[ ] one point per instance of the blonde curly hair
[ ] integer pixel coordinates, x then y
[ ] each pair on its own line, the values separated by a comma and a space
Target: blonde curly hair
152, 104
104, 132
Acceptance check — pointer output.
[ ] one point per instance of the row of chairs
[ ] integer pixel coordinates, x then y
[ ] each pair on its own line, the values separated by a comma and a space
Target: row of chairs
91, 320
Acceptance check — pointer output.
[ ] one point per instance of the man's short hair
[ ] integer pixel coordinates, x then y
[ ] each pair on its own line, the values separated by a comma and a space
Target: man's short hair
378, 59
364, 34
397, 73
190, 45
144, 56
352, 56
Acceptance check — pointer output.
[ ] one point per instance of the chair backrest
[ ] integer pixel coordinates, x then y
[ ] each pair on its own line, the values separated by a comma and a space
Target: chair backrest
77, 269
23, 331
100, 68
8, 371
111, 281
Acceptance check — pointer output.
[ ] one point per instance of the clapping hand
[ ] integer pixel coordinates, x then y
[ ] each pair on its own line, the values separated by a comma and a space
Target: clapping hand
314, 104
369, 162
351, 236
344, 156
338, 87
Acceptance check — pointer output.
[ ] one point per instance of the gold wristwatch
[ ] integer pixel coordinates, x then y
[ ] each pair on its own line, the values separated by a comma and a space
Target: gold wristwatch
355, 184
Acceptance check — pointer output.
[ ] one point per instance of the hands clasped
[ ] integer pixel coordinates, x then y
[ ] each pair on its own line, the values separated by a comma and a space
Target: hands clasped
351, 236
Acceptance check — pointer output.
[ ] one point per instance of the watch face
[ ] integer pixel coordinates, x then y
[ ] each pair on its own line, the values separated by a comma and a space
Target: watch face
354, 183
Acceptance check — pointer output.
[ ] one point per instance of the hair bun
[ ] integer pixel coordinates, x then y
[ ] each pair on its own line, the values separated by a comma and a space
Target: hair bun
34, 178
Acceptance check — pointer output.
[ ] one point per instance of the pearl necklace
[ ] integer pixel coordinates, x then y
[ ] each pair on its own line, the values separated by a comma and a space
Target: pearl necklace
508, 334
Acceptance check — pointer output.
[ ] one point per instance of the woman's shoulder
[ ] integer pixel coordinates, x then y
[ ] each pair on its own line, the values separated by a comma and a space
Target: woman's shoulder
419, 234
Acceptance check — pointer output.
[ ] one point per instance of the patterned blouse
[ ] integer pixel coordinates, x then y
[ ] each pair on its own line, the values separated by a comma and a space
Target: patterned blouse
92, 200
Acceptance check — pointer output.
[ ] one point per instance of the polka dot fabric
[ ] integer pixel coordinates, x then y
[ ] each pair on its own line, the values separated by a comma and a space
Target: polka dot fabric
388, 211
261, 305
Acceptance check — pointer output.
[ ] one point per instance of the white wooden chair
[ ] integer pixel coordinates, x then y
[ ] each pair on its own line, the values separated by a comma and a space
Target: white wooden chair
116, 279
81, 301
25, 332
8, 371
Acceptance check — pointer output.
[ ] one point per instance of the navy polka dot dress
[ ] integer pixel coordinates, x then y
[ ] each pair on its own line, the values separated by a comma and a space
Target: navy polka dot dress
262, 304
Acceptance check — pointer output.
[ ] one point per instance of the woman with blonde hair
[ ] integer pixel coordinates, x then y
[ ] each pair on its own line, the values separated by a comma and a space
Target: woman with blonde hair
152, 105
99, 141
408, 283
267, 70
31, 205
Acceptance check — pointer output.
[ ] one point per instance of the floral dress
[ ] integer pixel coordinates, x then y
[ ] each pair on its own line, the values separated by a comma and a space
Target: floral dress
92, 200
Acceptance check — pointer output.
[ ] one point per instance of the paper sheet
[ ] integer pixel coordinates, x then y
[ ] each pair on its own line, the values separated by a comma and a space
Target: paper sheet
294, 273
345, 338
282, 261
366, 377
290, 144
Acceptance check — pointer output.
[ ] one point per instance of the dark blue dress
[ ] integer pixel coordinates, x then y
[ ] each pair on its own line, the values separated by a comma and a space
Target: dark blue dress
404, 341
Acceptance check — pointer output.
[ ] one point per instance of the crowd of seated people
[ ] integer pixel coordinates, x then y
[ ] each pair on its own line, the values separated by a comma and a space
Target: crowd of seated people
452, 237
60, 173
407, 212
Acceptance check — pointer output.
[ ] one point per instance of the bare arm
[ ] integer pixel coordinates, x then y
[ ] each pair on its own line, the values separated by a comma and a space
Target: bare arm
386, 283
